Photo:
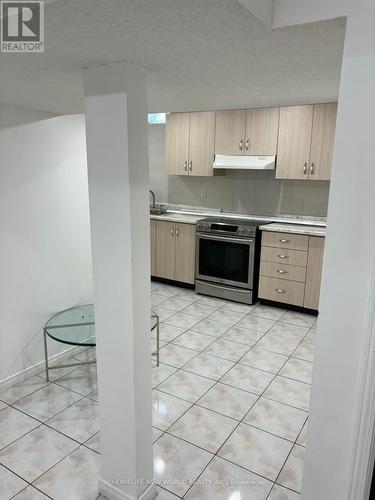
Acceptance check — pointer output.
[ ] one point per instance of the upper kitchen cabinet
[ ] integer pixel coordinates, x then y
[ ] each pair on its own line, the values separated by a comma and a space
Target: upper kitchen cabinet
305, 145
201, 143
190, 143
247, 132
177, 143
230, 132
293, 150
262, 127
322, 140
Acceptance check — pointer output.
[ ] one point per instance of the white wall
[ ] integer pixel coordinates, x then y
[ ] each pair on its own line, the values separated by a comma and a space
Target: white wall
158, 174
293, 12
45, 256
347, 297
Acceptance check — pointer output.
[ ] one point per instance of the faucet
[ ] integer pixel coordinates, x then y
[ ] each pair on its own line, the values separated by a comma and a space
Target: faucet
153, 198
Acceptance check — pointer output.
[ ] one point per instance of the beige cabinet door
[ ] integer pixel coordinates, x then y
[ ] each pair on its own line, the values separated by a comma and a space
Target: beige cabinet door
185, 253
322, 140
201, 144
314, 272
262, 128
165, 249
153, 246
230, 132
177, 143
293, 150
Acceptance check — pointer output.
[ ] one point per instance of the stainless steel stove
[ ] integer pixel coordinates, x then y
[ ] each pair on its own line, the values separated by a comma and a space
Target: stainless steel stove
227, 258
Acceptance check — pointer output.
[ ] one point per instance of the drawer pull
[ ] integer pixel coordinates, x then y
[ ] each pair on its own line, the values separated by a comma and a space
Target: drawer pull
282, 256
281, 271
279, 290
284, 241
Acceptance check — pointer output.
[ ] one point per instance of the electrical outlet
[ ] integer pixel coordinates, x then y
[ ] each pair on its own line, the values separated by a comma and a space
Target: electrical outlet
203, 193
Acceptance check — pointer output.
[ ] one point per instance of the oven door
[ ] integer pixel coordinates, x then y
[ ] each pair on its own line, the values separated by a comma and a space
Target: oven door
225, 260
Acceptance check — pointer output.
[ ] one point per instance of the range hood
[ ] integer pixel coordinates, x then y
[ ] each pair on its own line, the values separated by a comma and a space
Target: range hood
244, 162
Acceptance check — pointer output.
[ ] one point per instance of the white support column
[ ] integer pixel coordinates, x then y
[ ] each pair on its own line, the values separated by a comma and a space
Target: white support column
116, 130
344, 342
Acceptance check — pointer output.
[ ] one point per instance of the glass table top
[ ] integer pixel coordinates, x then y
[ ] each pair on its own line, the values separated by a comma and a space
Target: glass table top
76, 326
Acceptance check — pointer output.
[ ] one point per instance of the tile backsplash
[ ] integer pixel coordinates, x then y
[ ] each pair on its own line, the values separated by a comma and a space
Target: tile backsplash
256, 192
248, 191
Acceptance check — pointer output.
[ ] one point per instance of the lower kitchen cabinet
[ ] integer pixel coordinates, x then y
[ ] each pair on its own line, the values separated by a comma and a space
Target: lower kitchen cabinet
314, 272
291, 276
175, 251
165, 249
185, 253
280, 290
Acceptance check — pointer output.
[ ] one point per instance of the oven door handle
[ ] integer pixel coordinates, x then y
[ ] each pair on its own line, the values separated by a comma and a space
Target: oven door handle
224, 238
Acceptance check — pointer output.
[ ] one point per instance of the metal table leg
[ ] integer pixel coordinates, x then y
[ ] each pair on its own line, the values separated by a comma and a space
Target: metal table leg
46, 354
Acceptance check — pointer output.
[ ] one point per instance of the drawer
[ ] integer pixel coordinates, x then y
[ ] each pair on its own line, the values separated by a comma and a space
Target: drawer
281, 256
285, 240
288, 292
283, 271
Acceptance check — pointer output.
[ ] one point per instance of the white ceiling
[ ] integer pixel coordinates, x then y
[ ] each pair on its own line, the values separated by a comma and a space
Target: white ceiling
199, 54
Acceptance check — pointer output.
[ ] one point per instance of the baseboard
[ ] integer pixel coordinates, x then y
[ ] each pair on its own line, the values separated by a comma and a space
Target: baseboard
35, 369
111, 492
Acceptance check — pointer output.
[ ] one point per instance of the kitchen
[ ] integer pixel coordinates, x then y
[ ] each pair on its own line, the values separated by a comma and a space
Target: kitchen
269, 167
237, 245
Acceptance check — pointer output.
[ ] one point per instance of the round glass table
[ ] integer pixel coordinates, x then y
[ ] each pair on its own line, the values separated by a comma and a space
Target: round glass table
76, 327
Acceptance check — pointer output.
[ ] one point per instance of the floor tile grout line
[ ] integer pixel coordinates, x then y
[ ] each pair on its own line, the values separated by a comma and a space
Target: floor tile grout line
219, 380
226, 331
47, 383
287, 458
32, 483
16, 474
242, 421
50, 468
27, 395
32, 486
238, 421
44, 423
288, 358
177, 369
298, 433
214, 455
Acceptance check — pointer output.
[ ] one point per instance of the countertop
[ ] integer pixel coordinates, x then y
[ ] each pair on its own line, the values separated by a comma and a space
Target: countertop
190, 215
176, 217
295, 229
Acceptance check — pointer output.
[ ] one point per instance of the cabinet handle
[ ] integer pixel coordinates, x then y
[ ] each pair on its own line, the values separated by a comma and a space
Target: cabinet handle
172, 231
279, 290
190, 166
247, 144
284, 241
312, 169
282, 256
177, 232
305, 168
186, 163
281, 271
241, 145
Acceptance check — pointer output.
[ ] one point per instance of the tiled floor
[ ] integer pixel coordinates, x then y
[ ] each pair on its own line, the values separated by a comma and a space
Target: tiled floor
230, 403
